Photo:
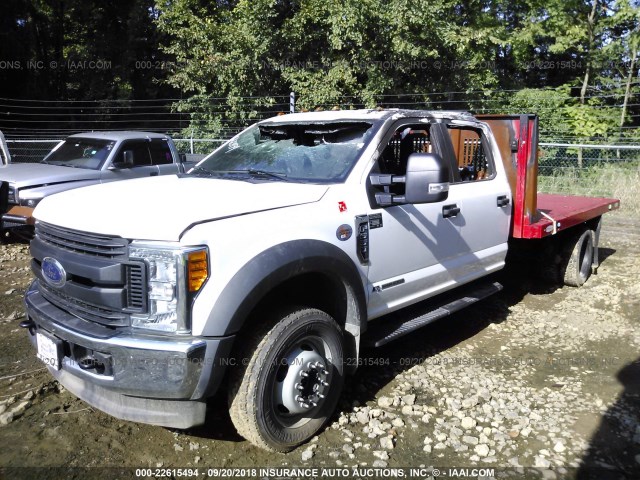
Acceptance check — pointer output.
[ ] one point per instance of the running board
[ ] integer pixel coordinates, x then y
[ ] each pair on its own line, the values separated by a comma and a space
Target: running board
389, 331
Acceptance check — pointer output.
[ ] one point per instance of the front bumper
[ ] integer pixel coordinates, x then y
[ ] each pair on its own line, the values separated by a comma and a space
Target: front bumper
161, 380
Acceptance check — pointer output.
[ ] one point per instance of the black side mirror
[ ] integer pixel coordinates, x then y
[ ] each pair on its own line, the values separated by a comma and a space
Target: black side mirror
427, 178
426, 181
182, 157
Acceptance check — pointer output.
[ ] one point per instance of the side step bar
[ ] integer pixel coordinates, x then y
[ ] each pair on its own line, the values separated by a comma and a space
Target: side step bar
392, 330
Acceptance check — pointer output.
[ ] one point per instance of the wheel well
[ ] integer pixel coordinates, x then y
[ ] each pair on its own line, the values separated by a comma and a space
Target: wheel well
312, 290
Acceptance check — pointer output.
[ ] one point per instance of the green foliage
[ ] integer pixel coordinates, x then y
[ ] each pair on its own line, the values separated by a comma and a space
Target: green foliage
337, 54
593, 121
82, 49
232, 60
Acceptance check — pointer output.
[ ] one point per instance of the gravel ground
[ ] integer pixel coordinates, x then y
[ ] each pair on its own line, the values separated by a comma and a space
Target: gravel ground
537, 381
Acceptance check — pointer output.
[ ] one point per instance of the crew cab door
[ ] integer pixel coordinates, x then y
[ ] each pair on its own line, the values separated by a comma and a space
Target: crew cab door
480, 191
414, 249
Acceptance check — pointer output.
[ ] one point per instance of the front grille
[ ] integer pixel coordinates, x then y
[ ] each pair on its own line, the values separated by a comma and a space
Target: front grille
84, 310
86, 252
82, 242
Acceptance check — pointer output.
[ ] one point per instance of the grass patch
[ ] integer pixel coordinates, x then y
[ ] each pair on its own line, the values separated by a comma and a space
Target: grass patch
620, 181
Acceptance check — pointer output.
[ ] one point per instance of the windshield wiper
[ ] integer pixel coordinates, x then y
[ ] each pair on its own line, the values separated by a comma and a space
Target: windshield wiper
262, 173
250, 171
204, 171
62, 164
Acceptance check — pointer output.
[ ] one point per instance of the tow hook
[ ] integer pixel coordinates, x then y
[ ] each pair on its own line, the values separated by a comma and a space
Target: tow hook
30, 324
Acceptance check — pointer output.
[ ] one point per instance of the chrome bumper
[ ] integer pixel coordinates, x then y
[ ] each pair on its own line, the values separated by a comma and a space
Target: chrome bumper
150, 379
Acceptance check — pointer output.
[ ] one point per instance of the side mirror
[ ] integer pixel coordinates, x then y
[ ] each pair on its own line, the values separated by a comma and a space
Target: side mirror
182, 157
426, 181
127, 156
127, 161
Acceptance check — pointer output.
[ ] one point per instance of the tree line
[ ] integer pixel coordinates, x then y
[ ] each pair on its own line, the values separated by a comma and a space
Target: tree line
573, 61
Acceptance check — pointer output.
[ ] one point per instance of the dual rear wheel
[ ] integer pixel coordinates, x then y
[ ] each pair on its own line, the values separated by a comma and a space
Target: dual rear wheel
577, 258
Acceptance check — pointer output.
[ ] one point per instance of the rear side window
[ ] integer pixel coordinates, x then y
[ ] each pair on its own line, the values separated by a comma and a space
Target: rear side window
160, 152
470, 150
147, 152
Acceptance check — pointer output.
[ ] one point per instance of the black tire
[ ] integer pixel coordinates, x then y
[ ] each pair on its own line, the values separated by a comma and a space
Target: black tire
272, 404
577, 259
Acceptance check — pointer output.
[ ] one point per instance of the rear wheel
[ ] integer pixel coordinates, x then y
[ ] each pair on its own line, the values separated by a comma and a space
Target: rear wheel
577, 259
288, 381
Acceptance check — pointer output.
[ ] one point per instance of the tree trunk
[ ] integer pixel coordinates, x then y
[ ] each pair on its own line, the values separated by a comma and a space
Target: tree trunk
591, 25
627, 92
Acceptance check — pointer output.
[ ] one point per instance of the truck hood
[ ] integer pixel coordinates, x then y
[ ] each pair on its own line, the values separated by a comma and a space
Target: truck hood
35, 174
162, 208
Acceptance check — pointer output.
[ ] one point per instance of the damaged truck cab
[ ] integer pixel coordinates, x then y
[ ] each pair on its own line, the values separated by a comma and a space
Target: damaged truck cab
290, 246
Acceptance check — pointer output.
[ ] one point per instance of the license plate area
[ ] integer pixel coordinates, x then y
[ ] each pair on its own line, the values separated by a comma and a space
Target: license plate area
49, 350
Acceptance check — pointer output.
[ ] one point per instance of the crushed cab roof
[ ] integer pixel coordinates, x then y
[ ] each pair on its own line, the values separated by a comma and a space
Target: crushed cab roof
362, 115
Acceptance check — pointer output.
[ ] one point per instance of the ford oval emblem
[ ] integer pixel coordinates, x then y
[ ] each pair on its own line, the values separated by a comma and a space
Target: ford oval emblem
53, 272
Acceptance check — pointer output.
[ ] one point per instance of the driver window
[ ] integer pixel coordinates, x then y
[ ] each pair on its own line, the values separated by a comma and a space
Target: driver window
405, 140
139, 150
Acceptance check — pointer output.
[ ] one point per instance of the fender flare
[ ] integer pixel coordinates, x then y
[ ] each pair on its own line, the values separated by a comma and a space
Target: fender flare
274, 266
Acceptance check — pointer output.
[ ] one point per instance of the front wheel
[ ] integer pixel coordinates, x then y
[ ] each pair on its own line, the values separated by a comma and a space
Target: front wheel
288, 382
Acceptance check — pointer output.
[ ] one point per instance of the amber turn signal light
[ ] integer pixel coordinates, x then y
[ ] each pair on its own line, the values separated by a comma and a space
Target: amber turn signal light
197, 269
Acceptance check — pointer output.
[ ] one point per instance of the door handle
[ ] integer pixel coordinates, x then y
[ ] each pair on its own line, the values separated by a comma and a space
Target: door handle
449, 211
502, 201
153, 174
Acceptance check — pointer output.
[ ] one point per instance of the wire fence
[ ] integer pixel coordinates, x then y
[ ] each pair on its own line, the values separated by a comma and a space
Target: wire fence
31, 150
592, 170
201, 116
578, 169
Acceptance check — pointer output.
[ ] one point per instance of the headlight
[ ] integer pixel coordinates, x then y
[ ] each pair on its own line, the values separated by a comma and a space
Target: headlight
175, 276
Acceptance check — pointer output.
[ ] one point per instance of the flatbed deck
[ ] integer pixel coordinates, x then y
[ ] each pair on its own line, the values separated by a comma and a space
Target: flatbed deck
560, 212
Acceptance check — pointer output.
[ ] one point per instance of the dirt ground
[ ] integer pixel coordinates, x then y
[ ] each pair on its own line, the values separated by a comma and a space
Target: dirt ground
537, 381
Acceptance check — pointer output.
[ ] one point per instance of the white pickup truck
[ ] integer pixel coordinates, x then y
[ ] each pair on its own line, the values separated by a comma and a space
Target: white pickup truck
267, 265
80, 160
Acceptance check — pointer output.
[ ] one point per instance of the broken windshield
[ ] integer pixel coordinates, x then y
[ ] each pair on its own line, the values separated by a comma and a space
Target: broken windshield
312, 152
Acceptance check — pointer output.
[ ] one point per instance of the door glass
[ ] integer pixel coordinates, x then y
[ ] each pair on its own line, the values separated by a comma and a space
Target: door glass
406, 140
471, 157
139, 151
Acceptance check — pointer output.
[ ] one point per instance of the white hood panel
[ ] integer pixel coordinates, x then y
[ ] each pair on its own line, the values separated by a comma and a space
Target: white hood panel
161, 208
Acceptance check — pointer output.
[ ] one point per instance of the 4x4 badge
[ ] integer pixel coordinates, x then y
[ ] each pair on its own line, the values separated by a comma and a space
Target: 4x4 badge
53, 273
